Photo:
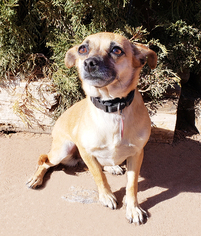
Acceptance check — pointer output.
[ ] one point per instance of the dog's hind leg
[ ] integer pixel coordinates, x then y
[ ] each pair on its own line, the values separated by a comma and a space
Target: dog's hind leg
115, 170
59, 154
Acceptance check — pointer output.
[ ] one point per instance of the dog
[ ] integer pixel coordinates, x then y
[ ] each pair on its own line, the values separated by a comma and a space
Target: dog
111, 124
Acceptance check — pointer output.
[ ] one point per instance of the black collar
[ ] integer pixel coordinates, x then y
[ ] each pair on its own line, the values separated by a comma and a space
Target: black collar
116, 104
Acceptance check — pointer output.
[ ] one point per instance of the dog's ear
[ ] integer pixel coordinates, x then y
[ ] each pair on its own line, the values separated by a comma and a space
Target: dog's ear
142, 54
71, 57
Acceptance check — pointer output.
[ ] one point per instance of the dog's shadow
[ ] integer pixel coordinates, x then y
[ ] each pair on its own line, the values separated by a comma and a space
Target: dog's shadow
176, 168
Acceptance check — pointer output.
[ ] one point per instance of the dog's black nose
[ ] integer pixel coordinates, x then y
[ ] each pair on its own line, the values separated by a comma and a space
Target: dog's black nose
91, 64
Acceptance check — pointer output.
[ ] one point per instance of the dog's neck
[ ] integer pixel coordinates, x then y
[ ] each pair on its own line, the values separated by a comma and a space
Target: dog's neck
113, 105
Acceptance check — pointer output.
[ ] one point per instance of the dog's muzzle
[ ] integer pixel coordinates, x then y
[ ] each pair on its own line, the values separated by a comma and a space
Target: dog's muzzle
98, 71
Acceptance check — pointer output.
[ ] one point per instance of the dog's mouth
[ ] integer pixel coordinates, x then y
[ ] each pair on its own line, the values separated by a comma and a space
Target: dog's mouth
98, 72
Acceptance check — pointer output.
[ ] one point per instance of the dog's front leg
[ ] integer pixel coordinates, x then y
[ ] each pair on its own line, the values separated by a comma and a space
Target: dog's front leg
106, 197
134, 213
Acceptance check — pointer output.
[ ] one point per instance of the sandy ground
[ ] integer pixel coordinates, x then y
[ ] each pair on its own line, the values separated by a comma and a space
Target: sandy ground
66, 204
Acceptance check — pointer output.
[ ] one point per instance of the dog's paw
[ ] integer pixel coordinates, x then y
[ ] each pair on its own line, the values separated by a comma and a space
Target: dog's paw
108, 200
136, 215
34, 181
115, 170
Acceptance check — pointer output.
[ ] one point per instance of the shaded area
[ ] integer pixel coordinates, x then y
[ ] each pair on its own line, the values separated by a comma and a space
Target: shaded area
173, 167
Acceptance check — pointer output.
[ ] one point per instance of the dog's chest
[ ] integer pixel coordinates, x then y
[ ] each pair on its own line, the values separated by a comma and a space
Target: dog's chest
109, 142
113, 154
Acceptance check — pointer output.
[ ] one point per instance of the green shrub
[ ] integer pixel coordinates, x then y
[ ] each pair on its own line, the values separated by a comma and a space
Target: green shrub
37, 33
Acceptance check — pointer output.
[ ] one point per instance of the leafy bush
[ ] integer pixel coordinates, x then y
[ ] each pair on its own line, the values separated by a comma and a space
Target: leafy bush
22, 32
32, 28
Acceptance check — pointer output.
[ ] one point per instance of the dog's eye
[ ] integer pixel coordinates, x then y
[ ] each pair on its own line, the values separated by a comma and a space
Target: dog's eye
82, 49
117, 51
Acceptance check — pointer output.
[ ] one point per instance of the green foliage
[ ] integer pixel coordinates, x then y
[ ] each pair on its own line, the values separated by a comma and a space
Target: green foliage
37, 33
184, 44
69, 86
22, 32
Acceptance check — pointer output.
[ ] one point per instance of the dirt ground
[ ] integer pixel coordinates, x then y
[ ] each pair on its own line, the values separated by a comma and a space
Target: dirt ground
66, 204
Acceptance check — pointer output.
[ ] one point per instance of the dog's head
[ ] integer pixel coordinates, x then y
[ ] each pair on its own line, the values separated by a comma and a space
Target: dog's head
109, 64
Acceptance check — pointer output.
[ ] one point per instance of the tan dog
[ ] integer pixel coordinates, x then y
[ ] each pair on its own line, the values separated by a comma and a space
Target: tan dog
111, 124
